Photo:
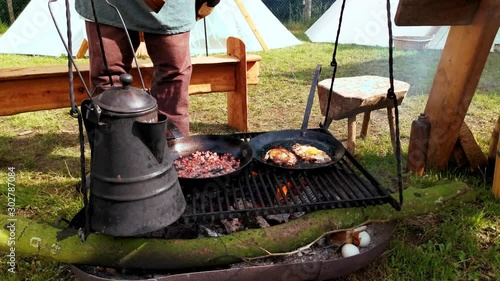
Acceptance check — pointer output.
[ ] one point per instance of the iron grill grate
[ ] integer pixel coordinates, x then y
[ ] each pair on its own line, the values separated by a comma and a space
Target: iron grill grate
260, 191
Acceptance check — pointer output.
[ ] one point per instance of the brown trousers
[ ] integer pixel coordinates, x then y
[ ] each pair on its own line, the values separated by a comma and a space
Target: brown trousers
171, 58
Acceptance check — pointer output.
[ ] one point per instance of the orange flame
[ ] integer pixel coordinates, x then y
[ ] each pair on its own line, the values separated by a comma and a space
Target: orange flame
284, 188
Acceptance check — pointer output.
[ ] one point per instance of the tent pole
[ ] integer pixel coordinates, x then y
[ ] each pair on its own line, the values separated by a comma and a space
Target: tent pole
205, 33
250, 22
83, 49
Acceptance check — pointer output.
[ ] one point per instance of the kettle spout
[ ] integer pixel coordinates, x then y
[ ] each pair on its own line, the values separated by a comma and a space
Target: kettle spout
153, 135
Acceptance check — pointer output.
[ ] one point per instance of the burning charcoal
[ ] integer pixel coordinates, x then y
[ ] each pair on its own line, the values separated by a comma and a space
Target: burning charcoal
278, 218
233, 225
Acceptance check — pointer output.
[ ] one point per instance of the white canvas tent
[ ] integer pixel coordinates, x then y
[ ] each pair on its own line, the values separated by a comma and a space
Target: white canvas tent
227, 19
365, 23
34, 33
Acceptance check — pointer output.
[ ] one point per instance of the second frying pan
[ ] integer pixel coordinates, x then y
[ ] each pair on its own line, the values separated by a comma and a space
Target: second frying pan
287, 138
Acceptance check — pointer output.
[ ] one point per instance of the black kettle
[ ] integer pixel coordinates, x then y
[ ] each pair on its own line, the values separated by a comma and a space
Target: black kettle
134, 187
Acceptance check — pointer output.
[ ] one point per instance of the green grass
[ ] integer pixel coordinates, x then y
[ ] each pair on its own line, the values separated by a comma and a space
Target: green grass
3, 28
9, 61
460, 243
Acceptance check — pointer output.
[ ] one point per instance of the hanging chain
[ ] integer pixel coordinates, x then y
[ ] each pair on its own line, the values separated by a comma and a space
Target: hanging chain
333, 63
392, 95
75, 112
390, 92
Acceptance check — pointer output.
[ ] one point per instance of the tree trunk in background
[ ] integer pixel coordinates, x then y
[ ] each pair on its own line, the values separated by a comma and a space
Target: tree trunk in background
10, 7
307, 9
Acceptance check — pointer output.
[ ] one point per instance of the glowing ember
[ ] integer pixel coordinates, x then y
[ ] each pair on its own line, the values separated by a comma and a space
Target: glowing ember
281, 194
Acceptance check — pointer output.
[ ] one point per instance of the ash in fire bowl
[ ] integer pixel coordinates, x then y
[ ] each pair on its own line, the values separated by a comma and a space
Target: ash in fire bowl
357, 247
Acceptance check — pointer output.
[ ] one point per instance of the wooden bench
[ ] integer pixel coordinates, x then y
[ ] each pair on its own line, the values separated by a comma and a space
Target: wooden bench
361, 94
39, 88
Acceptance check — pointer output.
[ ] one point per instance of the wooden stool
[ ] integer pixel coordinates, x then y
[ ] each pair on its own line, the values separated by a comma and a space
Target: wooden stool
361, 94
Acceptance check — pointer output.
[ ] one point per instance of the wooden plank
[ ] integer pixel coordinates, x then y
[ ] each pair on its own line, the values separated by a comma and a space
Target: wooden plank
22, 73
253, 69
432, 12
496, 175
252, 25
475, 156
237, 100
50, 93
457, 76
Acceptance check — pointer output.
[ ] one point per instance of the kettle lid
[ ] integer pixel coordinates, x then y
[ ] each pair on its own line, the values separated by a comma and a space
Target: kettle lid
125, 99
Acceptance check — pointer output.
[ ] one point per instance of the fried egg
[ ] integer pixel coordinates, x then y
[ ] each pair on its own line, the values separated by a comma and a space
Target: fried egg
310, 153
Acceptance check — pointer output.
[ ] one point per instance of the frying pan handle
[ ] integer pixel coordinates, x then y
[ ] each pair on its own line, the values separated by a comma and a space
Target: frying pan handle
173, 131
310, 99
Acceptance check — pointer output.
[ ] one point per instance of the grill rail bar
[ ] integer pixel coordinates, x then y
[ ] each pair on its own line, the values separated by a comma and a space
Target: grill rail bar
261, 191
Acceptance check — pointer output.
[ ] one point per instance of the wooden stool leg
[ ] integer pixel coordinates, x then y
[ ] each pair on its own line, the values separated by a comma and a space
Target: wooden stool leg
392, 125
366, 123
351, 134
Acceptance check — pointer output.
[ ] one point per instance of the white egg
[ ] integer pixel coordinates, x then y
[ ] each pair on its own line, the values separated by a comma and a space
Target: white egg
364, 239
349, 250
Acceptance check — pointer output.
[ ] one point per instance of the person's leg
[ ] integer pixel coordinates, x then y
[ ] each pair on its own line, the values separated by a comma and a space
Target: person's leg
171, 57
118, 54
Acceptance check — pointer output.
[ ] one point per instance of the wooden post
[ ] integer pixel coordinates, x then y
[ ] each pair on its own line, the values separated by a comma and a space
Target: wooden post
250, 22
496, 176
457, 76
435, 13
493, 141
237, 101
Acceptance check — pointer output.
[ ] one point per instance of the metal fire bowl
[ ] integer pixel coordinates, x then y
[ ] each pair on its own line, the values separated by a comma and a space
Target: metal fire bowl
315, 270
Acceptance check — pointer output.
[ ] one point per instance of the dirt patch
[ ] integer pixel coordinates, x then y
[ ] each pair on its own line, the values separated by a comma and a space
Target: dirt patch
418, 227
